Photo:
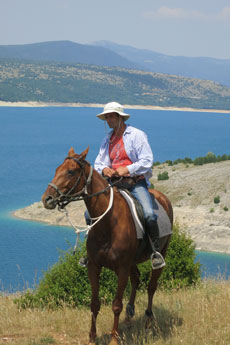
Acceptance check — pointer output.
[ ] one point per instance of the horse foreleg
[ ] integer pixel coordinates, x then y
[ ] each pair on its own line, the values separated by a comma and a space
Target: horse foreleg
94, 274
135, 281
117, 306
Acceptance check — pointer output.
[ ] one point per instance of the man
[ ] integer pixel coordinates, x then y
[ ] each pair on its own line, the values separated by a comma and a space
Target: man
125, 151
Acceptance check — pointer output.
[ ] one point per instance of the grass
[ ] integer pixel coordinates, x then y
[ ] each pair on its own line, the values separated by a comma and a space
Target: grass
192, 316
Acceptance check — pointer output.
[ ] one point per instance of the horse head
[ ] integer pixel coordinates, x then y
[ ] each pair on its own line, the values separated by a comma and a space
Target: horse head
69, 180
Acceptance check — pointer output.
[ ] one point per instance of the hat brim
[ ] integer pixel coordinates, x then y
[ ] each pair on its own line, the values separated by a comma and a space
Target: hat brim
101, 116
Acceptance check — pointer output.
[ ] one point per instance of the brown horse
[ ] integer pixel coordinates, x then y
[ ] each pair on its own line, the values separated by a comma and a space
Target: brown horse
112, 242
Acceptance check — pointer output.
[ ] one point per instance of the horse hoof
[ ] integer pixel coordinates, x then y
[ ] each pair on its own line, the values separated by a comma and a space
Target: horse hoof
130, 310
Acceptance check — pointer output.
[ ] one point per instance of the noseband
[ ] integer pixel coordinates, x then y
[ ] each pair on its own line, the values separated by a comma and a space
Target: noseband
64, 199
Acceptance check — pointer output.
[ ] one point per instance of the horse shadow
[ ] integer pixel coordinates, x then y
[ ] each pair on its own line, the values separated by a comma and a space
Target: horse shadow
135, 333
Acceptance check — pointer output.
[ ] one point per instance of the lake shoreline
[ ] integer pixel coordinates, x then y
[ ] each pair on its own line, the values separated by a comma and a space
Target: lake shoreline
54, 218
189, 188
97, 105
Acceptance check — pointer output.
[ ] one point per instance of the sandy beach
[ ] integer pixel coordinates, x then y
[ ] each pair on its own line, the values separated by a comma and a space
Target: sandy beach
96, 105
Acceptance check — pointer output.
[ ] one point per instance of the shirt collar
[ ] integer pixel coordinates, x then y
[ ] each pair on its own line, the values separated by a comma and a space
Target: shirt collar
127, 129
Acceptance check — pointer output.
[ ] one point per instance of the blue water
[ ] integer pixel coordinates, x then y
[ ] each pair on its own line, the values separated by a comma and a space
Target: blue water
34, 141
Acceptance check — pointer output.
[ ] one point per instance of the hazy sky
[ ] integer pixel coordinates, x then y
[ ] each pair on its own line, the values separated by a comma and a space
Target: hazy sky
173, 27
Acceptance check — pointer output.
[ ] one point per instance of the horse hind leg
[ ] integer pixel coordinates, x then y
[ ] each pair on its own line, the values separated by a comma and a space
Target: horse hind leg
135, 281
151, 291
155, 275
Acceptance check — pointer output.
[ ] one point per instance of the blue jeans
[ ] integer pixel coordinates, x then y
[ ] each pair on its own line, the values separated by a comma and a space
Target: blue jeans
141, 193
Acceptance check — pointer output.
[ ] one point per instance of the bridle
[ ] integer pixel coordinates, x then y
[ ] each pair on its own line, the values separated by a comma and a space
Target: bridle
64, 199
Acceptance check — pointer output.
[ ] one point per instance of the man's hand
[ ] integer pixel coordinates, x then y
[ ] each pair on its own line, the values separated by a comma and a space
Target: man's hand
108, 172
122, 171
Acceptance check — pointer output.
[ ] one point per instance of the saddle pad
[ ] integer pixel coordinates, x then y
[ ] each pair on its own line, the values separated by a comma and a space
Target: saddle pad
163, 221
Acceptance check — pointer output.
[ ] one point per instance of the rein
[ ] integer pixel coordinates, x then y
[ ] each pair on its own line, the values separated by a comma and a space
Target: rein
64, 199
96, 220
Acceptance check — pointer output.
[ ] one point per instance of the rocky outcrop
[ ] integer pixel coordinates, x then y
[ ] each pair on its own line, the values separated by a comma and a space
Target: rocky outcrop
192, 190
38, 213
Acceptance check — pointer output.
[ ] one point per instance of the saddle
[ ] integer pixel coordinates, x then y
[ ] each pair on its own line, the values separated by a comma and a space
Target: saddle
123, 185
136, 209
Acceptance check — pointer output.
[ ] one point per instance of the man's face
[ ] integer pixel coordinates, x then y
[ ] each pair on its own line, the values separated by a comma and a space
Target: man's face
112, 120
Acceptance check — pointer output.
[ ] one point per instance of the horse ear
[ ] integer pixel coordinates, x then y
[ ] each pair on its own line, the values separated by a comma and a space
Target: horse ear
84, 153
71, 152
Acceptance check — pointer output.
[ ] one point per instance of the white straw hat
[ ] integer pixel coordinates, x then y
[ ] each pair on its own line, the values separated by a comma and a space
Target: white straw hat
113, 107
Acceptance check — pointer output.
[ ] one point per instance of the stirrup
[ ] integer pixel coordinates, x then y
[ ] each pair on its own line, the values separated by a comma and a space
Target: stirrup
157, 260
83, 262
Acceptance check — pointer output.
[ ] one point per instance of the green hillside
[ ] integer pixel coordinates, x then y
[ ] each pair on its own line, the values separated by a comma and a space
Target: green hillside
22, 80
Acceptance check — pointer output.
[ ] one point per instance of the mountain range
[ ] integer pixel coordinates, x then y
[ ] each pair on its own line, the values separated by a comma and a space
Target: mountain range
104, 53
205, 68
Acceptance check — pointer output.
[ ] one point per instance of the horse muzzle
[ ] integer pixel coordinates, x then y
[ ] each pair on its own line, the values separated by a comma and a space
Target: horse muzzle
49, 202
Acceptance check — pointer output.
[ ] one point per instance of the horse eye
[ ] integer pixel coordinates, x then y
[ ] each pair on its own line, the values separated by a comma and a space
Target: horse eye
71, 172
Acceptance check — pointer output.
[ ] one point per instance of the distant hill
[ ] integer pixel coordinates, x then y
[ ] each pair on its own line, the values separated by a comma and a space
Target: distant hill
66, 51
104, 53
206, 68
23, 80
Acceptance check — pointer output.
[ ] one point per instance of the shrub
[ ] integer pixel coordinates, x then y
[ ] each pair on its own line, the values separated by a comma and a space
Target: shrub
216, 199
225, 208
67, 282
198, 161
210, 158
188, 160
176, 161
163, 176
156, 164
182, 270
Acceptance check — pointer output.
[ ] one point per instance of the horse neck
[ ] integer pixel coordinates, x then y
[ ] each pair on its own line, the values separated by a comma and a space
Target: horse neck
96, 205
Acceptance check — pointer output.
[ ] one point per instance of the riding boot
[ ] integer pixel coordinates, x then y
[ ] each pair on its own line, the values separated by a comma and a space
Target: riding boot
156, 258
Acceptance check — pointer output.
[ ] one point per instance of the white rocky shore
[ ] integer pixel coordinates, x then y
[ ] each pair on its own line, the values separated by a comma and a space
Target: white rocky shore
190, 188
